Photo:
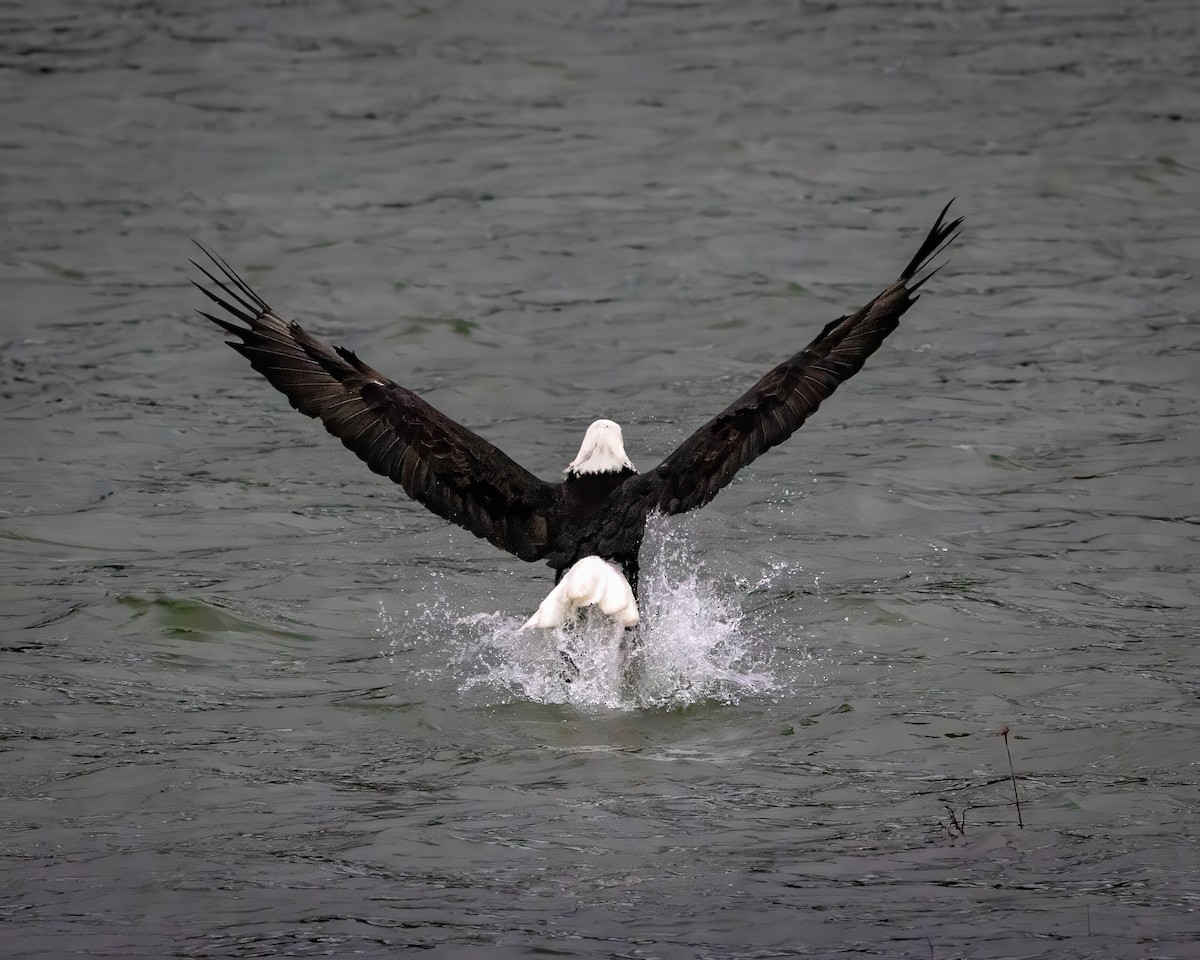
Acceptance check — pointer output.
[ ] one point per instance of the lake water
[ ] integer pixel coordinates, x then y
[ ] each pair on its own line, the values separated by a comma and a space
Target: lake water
256, 703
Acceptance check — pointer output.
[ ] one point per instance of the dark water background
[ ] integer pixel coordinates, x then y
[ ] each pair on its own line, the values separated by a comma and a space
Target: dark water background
256, 703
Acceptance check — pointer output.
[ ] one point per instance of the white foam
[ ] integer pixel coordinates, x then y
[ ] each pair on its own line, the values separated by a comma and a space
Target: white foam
694, 645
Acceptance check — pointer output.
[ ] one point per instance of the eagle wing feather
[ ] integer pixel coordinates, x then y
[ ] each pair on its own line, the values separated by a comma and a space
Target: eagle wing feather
443, 465
786, 396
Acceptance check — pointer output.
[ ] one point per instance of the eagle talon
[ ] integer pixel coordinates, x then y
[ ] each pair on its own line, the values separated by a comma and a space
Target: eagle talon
570, 669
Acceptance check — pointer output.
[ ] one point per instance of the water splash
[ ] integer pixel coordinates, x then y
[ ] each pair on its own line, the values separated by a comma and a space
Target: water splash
694, 644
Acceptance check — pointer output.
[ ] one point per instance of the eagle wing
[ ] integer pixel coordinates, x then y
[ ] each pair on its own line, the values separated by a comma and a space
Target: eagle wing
440, 463
777, 406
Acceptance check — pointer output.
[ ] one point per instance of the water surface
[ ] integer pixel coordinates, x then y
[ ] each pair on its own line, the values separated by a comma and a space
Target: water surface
257, 703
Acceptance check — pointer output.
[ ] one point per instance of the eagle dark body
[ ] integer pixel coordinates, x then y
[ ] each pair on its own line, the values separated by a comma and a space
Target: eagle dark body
465, 479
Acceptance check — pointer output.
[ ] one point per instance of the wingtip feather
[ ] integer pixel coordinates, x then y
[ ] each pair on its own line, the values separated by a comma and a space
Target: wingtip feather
223, 324
940, 236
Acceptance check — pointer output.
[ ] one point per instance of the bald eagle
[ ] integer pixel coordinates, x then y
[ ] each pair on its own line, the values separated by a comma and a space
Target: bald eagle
597, 512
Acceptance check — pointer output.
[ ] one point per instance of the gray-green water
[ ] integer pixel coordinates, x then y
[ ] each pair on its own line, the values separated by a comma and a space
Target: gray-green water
254, 702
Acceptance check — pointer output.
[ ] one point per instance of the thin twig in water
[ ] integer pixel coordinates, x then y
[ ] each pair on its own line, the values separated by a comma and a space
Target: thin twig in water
957, 824
1012, 773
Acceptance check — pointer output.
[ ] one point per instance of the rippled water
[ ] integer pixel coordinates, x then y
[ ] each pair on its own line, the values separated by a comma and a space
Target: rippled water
257, 703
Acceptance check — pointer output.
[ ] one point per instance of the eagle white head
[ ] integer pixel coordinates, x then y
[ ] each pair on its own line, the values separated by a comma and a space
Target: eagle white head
602, 451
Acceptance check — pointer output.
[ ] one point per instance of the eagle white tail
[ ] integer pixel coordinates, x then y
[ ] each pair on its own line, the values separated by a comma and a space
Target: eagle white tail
590, 582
